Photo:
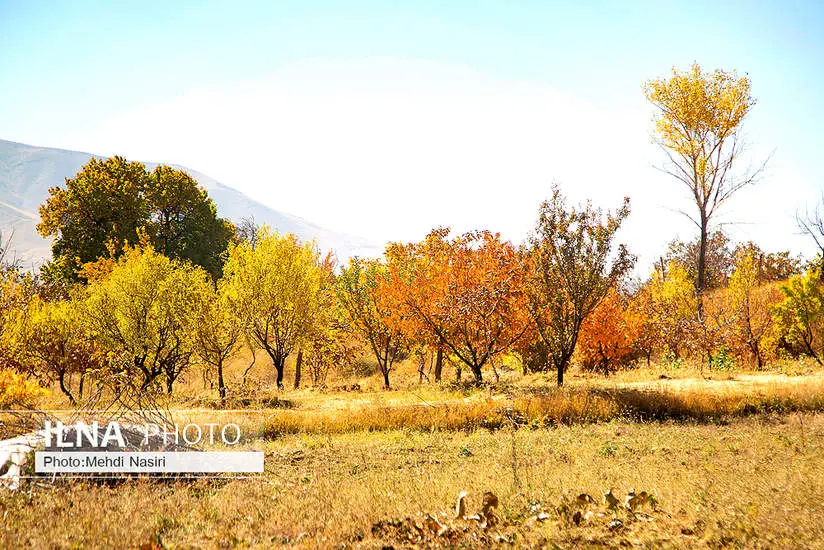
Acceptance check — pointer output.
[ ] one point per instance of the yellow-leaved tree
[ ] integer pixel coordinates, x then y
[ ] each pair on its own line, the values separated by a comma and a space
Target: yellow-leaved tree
668, 305
799, 317
274, 288
144, 314
218, 332
751, 302
50, 342
16, 290
361, 292
698, 125
18, 391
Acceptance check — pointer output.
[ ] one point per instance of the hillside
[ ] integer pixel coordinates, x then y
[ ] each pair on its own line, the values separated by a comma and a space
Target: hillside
27, 172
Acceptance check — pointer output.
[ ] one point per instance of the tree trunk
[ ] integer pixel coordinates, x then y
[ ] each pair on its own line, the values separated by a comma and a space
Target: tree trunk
562, 366
478, 375
169, 382
438, 364
701, 276
65, 389
279, 362
298, 363
385, 378
809, 345
82, 381
221, 386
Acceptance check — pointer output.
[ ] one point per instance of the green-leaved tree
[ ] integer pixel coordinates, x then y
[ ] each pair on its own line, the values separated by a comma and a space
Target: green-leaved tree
112, 202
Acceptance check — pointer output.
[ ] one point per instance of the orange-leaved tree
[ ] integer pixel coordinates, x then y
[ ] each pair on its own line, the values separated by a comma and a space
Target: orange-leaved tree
466, 292
608, 334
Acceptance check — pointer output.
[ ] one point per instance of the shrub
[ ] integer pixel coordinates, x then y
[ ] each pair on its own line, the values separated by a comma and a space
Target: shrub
799, 317
722, 360
17, 391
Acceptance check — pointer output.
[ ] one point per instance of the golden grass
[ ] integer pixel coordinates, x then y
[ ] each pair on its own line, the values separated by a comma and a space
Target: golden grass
552, 406
756, 482
733, 462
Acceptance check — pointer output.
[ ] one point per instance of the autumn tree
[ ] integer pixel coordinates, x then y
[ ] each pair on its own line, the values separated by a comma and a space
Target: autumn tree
17, 289
144, 314
364, 294
16, 390
608, 334
50, 342
326, 335
718, 258
109, 202
698, 125
800, 314
274, 288
218, 332
409, 265
751, 302
769, 266
668, 304
329, 343
466, 292
574, 264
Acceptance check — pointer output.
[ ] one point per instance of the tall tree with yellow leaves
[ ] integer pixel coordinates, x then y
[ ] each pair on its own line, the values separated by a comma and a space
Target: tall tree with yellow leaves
698, 125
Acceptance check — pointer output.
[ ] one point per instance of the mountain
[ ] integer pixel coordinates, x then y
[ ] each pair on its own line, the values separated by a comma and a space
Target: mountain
27, 173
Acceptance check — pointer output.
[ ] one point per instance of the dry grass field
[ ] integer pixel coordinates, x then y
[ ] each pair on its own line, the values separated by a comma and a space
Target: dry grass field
731, 460
751, 483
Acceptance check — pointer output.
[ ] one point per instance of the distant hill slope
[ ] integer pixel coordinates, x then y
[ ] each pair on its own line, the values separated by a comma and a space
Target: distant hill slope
27, 173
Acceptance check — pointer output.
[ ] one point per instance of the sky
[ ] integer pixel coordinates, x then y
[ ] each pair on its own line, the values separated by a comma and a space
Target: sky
386, 119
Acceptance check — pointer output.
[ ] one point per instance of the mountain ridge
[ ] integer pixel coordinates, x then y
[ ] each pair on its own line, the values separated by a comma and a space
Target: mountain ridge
28, 171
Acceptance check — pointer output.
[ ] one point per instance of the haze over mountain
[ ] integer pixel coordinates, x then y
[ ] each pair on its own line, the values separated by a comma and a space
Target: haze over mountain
27, 172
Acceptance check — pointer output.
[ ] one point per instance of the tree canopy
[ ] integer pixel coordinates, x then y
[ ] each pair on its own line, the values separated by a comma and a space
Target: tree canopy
362, 293
466, 292
144, 314
112, 202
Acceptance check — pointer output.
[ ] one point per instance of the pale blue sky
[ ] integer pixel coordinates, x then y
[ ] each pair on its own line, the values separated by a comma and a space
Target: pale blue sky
337, 110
